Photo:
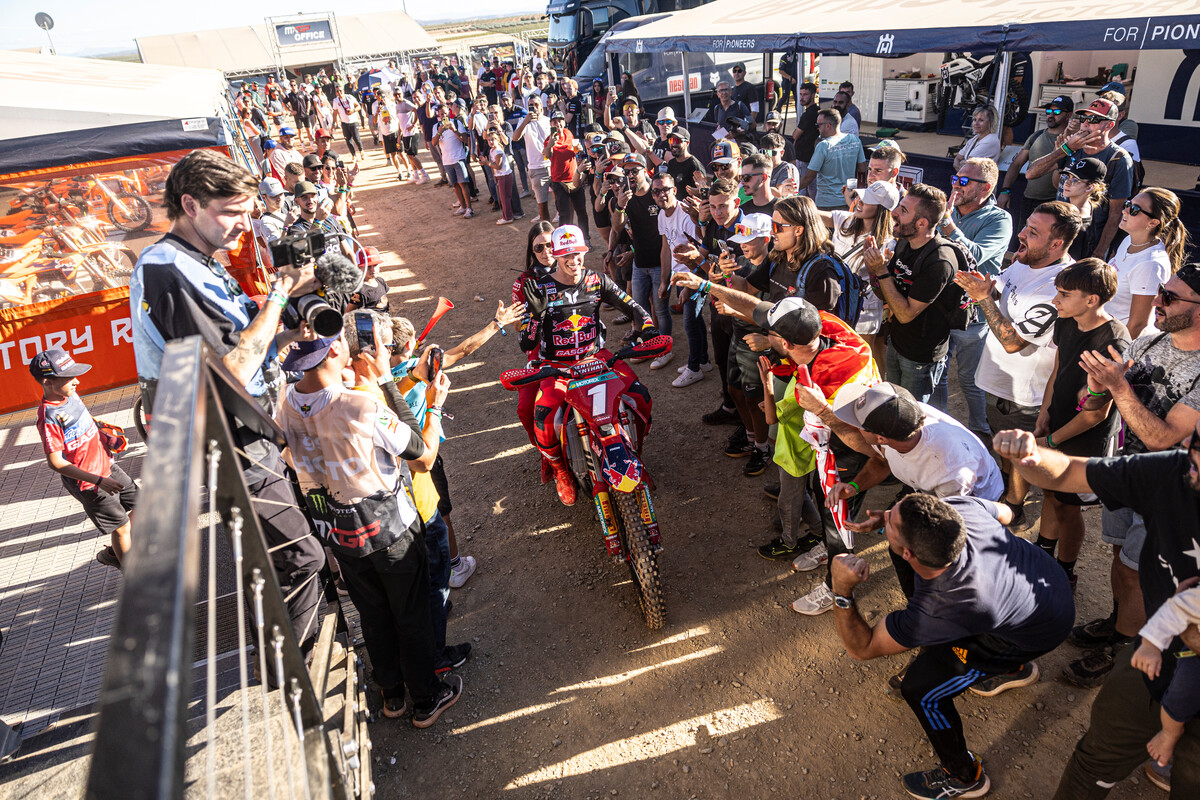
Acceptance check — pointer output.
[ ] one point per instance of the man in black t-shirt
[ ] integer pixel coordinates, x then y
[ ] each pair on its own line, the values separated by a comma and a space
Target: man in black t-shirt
806, 134
745, 92
985, 603
633, 207
917, 284
573, 108
683, 166
1164, 489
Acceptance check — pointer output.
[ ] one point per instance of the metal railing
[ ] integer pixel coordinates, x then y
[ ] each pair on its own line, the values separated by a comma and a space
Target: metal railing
142, 730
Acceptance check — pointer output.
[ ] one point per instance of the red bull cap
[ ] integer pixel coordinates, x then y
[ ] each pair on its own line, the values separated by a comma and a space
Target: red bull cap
566, 240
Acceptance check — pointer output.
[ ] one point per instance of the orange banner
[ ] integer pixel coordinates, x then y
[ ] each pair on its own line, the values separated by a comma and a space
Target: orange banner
95, 329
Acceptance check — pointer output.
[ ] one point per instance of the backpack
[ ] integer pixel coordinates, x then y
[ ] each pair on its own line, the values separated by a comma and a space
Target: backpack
964, 311
1139, 171
850, 301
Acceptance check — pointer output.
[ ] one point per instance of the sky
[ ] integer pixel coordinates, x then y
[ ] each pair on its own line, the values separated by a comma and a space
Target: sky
84, 26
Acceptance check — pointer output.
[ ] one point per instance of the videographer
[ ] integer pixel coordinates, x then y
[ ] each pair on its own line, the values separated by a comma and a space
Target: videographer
179, 289
314, 215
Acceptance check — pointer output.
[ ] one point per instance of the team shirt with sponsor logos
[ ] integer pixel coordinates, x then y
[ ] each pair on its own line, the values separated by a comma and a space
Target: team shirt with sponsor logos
68, 427
570, 328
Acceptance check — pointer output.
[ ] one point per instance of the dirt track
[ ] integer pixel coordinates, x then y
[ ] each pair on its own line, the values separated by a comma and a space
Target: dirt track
568, 695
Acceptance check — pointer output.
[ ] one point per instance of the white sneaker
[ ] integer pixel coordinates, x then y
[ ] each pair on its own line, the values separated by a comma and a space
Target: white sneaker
465, 569
687, 378
811, 559
703, 368
818, 601
458, 212
470, 213
662, 360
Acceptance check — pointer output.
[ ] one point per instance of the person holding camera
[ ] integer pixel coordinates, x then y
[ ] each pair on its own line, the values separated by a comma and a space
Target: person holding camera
178, 289
315, 215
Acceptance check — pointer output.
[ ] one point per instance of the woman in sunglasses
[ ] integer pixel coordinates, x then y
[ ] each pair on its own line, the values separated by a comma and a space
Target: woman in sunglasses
538, 264
985, 143
1154, 250
1083, 186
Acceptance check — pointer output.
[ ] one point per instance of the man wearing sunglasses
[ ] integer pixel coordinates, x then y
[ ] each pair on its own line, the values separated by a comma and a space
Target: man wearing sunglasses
683, 166
1163, 490
806, 134
1157, 391
756, 182
745, 92
1097, 124
726, 106
1039, 144
835, 160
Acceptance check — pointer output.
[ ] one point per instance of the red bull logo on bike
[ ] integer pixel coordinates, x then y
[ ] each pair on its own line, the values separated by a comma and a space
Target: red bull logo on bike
620, 472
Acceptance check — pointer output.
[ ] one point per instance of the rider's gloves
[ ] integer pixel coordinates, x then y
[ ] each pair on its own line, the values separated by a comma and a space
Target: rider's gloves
535, 303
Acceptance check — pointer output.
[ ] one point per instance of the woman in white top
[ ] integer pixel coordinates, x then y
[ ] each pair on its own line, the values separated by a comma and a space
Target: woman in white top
324, 111
869, 214
985, 143
501, 167
1154, 250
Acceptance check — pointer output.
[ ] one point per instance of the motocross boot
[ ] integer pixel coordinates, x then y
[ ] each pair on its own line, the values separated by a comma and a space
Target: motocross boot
564, 483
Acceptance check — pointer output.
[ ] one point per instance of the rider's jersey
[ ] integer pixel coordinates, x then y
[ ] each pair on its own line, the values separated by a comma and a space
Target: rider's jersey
570, 327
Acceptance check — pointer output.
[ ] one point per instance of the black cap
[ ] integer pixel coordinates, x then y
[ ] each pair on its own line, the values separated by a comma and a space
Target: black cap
681, 133
1088, 170
55, 363
1063, 102
311, 161
793, 318
884, 409
1190, 274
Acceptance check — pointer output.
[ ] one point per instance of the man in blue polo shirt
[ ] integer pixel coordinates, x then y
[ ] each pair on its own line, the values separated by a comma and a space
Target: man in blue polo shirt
835, 160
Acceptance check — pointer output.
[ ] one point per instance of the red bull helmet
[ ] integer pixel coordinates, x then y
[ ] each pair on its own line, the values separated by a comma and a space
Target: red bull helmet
567, 239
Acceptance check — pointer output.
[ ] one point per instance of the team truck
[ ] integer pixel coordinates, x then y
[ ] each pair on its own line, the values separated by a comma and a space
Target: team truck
576, 26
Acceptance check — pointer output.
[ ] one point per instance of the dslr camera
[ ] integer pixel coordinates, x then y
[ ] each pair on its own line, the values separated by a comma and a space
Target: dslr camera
300, 250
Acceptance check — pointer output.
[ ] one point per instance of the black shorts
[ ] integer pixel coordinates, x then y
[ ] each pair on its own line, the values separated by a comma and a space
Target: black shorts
743, 367
438, 473
411, 144
389, 144
301, 122
106, 511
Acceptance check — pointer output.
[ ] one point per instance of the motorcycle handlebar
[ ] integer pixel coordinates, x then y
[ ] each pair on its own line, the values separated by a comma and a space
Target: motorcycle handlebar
516, 378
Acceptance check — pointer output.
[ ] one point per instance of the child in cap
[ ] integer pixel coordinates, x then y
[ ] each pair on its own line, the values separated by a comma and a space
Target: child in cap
80, 450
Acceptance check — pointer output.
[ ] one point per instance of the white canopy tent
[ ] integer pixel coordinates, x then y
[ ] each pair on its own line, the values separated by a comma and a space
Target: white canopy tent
873, 27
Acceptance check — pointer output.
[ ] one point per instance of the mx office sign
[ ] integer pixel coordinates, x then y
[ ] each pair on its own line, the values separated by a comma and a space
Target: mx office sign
293, 33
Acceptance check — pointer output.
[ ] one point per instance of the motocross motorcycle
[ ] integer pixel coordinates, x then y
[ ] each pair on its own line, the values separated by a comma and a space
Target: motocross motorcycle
68, 201
967, 82
600, 444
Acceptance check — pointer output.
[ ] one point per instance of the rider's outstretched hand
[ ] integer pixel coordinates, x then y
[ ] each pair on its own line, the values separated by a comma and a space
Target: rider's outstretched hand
534, 302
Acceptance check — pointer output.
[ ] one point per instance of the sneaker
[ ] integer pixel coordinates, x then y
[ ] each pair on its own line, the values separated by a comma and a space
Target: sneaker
564, 483
451, 690
722, 416
1091, 670
465, 569
938, 783
738, 445
458, 212
705, 367
779, 550
771, 490
443, 182
1096, 633
622, 319
503, 221
393, 707
470, 213
1159, 776
453, 656
1025, 675
818, 601
108, 557
524, 194
662, 360
687, 378
757, 464
815, 557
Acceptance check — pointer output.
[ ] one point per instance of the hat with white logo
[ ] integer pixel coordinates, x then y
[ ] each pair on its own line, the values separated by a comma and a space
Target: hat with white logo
567, 239
884, 409
793, 318
751, 227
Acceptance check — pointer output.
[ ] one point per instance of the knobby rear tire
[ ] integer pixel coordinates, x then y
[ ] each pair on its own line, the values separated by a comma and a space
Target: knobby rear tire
643, 561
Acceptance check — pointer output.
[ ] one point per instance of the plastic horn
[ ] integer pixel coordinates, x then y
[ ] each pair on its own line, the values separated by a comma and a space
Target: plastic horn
443, 306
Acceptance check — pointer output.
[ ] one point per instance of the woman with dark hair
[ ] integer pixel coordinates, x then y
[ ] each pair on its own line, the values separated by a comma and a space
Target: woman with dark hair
628, 89
538, 263
599, 100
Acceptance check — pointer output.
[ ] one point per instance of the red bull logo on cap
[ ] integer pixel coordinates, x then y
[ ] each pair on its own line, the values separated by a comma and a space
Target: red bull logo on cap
568, 239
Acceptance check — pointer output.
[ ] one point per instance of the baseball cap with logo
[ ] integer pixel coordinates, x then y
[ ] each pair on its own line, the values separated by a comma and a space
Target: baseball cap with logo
750, 227
681, 133
793, 318
304, 187
722, 153
1112, 86
271, 187
269, 144
567, 239
55, 363
1101, 108
287, 130
884, 409
634, 158
369, 257
556, 114
1063, 102
308, 353
773, 116
631, 100
880, 193
1088, 170
321, 133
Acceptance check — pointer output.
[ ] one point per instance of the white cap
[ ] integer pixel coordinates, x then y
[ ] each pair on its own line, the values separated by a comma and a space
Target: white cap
271, 187
567, 239
880, 193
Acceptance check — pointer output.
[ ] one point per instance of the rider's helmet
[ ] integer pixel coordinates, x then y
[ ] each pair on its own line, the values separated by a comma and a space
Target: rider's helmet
567, 239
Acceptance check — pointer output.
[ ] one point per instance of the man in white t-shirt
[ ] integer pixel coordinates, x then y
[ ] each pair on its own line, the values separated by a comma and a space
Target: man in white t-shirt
533, 130
386, 120
677, 228
841, 101
1018, 354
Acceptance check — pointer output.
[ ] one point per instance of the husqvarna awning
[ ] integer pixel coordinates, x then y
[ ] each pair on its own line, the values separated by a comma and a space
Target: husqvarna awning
876, 27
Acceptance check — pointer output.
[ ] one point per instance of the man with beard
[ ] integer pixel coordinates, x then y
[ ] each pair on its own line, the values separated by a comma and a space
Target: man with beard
1157, 391
684, 166
1164, 490
1040, 144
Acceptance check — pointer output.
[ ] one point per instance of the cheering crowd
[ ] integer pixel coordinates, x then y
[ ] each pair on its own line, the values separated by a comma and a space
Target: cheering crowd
834, 310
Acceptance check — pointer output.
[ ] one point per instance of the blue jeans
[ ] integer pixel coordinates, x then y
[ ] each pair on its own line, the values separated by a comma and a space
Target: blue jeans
522, 165
645, 283
967, 348
437, 542
918, 377
696, 331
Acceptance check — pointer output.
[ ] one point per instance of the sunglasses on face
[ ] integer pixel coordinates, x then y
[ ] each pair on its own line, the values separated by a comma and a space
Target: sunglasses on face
778, 227
1168, 297
748, 178
541, 247
1134, 209
662, 190
1091, 119
738, 71
722, 167
1053, 112
963, 180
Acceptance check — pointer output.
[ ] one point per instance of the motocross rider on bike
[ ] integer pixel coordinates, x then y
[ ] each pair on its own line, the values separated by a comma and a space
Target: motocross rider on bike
562, 326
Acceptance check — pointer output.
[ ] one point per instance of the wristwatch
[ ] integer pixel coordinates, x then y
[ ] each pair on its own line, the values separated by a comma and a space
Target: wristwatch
842, 601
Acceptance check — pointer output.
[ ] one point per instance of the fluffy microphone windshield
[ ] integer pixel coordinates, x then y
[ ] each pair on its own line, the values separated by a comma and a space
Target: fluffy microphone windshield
338, 273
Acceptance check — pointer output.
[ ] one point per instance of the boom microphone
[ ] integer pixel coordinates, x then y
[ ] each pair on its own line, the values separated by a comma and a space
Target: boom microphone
336, 273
